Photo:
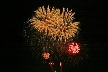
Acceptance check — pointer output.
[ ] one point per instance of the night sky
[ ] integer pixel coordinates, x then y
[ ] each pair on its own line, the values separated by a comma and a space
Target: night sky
16, 57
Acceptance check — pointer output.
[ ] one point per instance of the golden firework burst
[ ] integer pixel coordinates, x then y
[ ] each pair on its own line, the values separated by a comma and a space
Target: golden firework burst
54, 23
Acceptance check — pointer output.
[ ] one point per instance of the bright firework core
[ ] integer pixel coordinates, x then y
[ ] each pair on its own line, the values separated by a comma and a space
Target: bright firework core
73, 48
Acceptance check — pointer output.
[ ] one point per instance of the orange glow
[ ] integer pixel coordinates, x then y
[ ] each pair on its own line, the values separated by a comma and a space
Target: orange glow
46, 55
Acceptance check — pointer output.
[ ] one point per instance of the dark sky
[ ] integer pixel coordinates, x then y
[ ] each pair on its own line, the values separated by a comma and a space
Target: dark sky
91, 13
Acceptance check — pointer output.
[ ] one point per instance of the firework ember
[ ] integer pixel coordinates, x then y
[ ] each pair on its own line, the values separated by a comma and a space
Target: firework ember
46, 55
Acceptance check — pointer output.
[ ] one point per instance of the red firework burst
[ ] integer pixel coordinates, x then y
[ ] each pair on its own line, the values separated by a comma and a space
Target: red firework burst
73, 48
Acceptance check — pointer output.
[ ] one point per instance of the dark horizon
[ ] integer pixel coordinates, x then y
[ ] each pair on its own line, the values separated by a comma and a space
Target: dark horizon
91, 14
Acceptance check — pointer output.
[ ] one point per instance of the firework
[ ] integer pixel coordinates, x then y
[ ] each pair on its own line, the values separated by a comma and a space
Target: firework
75, 53
46, 55
51, 33
54, 23
73, 48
